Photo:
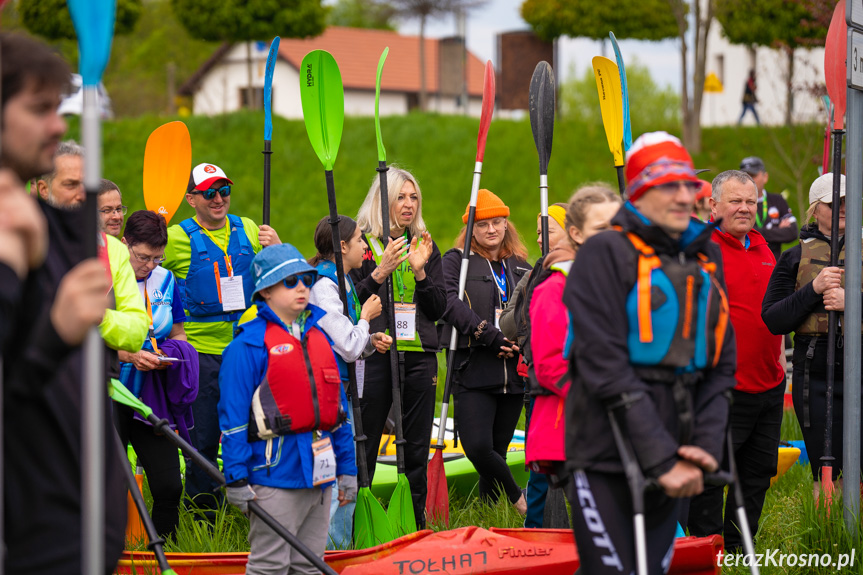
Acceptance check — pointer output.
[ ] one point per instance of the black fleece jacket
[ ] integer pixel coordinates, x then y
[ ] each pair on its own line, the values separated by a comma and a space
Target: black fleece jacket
784, 307
42, 423
596, 293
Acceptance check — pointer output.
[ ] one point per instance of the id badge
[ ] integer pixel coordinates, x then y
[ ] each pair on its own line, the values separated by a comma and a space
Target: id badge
233, 297
406, 323
324, 470
497, 312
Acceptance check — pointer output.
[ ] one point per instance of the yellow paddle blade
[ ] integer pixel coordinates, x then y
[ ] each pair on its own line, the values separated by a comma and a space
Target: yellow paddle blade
611, 104
167, 166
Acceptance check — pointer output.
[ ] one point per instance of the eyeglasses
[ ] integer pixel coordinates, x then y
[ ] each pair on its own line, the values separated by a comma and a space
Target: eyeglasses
109, 211
484, 224
145, 260
292, 281
672, 187
224, 191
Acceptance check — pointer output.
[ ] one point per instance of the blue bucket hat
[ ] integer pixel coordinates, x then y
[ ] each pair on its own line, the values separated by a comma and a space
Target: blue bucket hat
275, 263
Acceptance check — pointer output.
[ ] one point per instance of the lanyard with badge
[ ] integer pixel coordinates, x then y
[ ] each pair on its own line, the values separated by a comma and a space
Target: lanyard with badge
405, 311
231, 294
152, 332
760, 221
500, 282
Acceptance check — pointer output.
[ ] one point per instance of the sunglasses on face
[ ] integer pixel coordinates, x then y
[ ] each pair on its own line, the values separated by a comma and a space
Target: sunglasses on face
224, 191
292, 281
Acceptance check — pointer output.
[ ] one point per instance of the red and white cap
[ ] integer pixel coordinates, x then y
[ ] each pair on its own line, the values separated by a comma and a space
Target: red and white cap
656, 158
203, 176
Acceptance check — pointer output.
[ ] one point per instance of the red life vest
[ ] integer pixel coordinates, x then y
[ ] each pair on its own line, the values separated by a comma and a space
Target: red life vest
301, 390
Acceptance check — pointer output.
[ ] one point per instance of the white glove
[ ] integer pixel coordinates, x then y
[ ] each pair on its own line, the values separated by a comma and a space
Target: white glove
240, 496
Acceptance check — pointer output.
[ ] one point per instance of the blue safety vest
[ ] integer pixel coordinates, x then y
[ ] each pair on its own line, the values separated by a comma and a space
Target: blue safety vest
200, 288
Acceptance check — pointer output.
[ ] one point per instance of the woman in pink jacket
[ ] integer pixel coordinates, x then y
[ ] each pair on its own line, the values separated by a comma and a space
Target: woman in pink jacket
589, 212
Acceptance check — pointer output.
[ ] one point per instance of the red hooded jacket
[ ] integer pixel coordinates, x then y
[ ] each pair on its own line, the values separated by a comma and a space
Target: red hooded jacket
747, 273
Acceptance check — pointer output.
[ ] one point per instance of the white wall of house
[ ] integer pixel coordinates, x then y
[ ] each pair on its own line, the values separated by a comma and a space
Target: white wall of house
219, 91
731, 63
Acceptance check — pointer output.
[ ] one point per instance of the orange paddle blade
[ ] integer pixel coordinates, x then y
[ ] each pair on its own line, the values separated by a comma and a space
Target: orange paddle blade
167, 165
437, 500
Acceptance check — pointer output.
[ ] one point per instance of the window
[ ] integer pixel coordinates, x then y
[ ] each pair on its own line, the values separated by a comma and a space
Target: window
257, 94
720, 67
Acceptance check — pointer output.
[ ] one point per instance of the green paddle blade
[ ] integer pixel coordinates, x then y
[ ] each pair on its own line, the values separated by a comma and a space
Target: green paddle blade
121, 394
323, 100
371, 525
382, 153
401, 509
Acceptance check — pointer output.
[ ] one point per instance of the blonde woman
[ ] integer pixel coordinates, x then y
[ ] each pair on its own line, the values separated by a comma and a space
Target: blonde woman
413, 261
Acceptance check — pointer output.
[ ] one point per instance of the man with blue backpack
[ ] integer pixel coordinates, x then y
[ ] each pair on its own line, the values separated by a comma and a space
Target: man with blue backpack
652, 358
210, 255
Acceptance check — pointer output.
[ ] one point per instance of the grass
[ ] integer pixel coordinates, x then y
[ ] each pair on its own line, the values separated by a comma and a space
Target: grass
791, 523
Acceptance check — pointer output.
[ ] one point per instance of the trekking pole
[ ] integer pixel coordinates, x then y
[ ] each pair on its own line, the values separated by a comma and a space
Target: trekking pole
156, 542
121, 394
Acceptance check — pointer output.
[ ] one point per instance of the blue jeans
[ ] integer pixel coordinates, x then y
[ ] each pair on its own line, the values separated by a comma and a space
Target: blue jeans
341, 531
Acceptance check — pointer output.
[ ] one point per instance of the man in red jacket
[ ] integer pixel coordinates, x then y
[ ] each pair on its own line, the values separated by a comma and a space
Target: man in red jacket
756, 408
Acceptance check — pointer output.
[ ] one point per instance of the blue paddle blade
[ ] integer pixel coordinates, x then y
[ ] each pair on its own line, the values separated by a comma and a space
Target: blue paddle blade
627, 126
268, 89
94, 25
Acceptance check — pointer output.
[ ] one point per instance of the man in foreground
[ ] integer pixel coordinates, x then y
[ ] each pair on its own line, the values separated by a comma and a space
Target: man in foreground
756, 407
48, 307
659, 368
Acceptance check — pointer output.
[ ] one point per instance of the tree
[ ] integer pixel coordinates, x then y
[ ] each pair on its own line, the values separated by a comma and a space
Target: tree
362, 14
776, 23
51, 18
629, 19
638, 20
249, 20
423, 10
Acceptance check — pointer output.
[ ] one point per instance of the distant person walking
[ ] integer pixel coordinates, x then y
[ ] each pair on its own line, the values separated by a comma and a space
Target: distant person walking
749, 98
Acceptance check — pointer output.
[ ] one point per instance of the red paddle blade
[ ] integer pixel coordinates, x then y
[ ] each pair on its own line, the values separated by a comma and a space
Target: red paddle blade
835, 54
437, 500
827, 478
487, 109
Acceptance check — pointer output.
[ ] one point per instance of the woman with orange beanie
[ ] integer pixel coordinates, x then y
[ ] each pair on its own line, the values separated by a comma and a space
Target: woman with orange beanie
488, 390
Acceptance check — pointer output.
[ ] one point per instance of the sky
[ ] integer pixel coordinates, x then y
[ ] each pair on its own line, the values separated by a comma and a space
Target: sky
497, 16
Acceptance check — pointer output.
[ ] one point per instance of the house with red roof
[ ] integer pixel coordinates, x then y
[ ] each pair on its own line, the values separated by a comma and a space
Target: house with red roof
222, 83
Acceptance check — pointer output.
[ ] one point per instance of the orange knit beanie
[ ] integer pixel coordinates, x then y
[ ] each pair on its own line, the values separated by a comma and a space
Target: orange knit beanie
488, 206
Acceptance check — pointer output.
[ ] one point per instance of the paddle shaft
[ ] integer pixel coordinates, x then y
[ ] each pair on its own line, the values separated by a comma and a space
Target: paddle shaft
156, 542
162, 426
93, 393
268, 152
543, 202
462, 281
621, 185
389, 306
832, 317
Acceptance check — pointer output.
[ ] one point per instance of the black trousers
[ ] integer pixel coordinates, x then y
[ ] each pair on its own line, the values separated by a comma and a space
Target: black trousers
602, 523
206, 433
418, 402
486, 422
755, 419
160, 461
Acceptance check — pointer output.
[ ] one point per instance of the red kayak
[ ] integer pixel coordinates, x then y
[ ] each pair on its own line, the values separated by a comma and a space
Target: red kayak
458, 551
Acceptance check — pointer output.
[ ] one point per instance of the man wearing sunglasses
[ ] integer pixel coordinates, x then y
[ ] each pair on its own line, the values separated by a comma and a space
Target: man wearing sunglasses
210, 255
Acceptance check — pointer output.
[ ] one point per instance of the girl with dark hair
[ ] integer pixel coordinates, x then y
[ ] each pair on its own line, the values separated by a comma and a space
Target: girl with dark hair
154, 373
350, 334
488, 389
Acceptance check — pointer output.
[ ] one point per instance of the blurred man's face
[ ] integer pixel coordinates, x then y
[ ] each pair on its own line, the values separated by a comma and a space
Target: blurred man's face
110, 208
67, 188
669, 206
31, 130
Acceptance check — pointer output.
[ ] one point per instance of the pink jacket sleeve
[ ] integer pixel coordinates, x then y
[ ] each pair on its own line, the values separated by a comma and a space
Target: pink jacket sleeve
548, 328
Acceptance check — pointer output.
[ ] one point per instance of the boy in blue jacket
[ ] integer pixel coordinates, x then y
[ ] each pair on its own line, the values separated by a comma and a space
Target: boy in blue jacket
283, 416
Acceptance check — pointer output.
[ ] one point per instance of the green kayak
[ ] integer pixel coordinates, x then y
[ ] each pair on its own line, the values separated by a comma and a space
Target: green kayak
460, 474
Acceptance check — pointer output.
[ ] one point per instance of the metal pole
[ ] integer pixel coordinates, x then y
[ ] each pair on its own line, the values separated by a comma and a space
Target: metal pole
852, 318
